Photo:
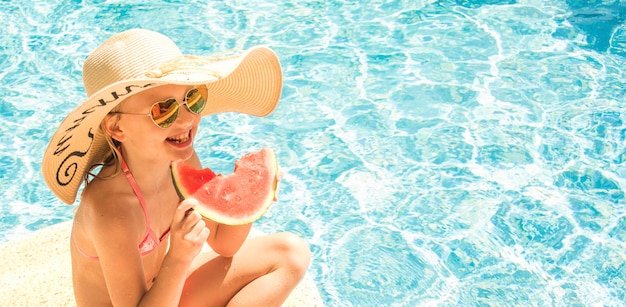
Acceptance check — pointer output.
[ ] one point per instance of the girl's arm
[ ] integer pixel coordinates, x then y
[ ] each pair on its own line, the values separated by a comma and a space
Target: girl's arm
226, 239
121, 261
223, 239
117, 252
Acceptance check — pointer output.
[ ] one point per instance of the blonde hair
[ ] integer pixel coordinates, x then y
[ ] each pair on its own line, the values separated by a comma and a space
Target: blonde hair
112, 159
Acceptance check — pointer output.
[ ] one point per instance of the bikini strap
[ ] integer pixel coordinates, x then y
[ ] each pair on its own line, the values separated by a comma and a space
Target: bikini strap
80, 250
135, 186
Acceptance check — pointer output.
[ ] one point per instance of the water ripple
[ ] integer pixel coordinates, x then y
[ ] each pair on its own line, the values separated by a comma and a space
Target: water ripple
436, 152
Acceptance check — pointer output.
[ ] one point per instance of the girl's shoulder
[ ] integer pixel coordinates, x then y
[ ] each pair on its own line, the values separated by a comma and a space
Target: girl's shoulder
110, 201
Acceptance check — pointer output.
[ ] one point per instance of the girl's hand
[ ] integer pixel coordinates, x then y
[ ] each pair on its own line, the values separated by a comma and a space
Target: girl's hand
279, 176
188, 232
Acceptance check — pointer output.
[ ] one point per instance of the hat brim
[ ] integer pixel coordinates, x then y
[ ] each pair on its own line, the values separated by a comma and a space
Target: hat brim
250, 84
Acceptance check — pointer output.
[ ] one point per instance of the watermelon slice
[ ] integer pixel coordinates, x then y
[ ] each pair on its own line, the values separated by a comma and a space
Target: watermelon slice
238, 198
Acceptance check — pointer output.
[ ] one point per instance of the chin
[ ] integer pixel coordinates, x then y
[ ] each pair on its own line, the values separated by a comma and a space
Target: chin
177, 152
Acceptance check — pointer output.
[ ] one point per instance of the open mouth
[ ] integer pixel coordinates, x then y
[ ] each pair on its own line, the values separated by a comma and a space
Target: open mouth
181, 138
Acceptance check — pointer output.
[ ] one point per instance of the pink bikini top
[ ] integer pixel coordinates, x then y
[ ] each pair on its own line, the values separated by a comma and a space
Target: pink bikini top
149, 241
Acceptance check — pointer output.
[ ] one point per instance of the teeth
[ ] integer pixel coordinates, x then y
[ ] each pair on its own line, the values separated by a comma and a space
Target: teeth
180, 138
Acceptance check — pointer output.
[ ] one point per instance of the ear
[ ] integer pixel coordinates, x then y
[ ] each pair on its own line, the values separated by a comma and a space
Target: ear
111, 127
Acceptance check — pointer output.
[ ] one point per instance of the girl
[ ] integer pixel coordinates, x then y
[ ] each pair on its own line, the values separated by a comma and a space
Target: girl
133, 242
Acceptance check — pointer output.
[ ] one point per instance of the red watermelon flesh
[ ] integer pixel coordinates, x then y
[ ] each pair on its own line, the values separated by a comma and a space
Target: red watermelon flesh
238, 198
187, 179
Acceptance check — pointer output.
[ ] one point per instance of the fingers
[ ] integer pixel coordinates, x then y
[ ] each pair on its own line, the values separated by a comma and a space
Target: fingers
280, 174
184, 208
188, 231
198, 231
188, 220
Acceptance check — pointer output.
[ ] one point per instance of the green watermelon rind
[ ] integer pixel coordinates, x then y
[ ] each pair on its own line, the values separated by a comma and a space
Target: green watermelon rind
180, 190
221, 218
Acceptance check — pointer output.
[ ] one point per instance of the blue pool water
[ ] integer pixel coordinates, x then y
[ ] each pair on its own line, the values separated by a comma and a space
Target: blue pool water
441, 153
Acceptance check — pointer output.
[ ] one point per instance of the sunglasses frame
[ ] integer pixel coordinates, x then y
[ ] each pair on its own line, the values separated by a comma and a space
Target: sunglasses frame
174, 116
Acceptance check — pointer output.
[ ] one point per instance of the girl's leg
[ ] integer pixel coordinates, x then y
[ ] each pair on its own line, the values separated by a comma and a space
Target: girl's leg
262, 273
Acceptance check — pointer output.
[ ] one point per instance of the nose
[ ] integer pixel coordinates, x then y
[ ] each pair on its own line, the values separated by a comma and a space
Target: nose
186, 116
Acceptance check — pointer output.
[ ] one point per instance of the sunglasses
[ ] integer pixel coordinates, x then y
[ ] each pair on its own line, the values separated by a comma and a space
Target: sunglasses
164, 113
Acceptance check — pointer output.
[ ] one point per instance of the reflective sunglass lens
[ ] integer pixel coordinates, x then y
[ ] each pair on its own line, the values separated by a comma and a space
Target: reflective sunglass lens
164, 113
196, 100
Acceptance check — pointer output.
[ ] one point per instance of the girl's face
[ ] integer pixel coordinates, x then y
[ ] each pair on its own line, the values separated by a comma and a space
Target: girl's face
139, 134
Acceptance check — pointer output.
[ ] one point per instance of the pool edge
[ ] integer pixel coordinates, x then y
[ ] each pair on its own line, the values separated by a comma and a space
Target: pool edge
36, 271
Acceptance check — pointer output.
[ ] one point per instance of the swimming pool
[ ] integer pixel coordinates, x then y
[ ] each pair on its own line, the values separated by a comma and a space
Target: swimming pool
437, 152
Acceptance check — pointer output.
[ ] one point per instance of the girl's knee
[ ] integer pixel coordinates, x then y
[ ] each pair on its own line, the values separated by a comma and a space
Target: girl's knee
295, 252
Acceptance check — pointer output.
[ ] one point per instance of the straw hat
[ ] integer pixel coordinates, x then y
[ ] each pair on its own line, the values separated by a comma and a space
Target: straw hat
135, 60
